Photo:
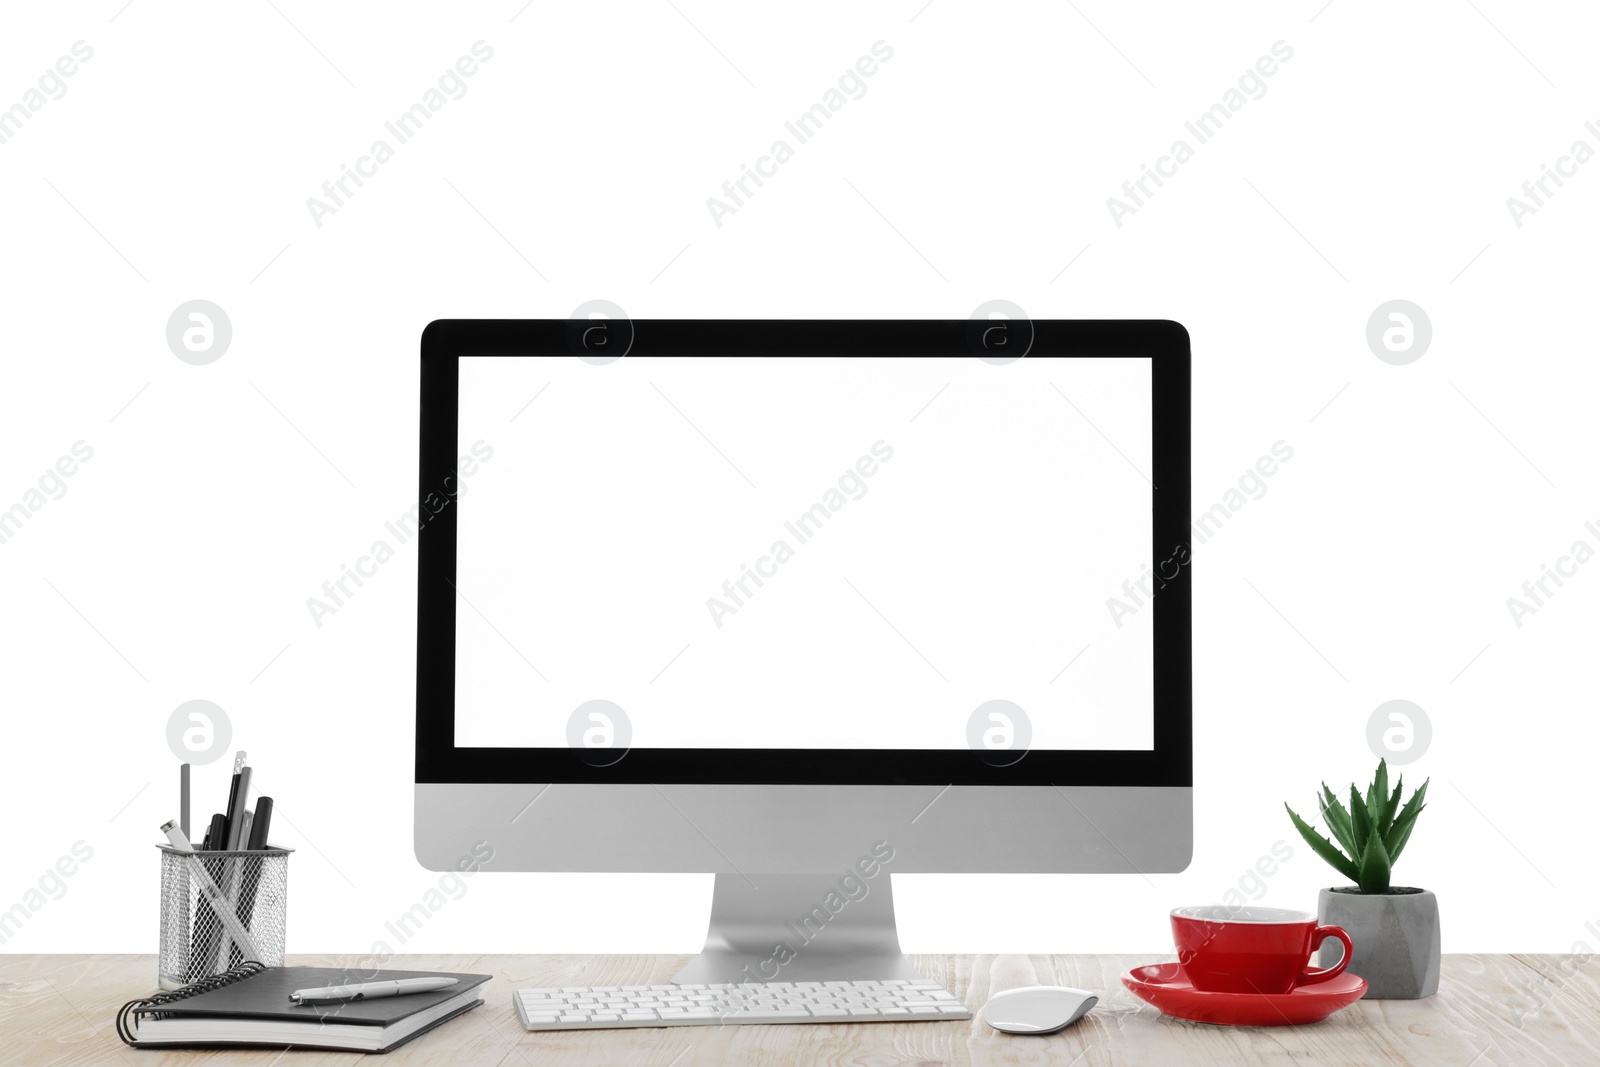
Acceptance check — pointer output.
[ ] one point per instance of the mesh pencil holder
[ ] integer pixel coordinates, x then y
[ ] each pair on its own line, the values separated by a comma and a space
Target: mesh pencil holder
219, 909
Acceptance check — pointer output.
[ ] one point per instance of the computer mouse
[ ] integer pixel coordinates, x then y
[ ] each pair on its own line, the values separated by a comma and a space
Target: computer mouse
1037, 1009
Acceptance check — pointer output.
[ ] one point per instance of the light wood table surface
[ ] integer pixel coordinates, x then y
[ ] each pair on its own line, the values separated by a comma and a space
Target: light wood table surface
1491, 1011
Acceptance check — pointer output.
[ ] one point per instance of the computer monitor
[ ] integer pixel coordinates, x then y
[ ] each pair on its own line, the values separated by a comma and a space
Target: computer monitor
805, 605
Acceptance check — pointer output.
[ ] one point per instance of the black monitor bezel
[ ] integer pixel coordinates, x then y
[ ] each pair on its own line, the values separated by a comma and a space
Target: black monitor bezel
439, 760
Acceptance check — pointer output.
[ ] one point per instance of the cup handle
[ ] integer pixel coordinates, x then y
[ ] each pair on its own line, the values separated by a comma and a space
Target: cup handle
1318, 936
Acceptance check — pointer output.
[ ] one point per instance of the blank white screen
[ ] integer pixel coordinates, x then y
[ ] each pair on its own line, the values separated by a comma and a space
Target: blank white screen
1004, 506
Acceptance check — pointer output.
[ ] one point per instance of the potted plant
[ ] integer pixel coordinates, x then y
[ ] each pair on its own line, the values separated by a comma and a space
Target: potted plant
1395, 928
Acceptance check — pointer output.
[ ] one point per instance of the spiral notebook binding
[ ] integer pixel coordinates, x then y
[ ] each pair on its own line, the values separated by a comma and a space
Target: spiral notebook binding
129, 1031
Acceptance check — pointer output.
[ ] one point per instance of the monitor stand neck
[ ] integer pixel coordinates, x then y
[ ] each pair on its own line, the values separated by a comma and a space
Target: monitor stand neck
799, 928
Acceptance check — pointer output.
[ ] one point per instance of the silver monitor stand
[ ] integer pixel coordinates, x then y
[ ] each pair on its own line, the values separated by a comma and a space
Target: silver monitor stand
780, 928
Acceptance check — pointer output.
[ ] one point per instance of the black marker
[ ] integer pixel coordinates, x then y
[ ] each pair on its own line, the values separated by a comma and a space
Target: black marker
261, 824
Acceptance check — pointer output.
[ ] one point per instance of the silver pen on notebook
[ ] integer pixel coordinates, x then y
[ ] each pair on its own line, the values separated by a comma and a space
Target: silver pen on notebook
397, 987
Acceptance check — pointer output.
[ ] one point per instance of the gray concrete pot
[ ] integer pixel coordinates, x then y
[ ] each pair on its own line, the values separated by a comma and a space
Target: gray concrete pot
1396, 935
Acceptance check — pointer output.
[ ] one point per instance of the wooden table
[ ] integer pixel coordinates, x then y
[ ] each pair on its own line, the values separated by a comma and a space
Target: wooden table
1490, 1010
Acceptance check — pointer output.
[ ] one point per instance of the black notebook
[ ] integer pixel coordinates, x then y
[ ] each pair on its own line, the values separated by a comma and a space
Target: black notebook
250, 1005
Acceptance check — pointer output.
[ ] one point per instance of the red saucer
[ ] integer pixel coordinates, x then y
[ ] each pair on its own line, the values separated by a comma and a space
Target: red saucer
1164, 985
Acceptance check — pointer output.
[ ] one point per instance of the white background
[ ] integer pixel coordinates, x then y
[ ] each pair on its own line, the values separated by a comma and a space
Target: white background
978, 165
972, 564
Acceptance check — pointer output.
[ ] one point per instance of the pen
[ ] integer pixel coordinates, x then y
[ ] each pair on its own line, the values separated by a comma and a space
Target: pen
202, 953
233, 797
202, 947
230, 952
398, 987
241, 797
255, 841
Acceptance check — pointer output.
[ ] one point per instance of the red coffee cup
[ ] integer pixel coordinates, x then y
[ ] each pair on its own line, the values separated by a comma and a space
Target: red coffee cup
1225, 949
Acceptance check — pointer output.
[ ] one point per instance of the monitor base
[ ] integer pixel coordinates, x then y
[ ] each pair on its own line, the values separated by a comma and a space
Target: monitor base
799, 928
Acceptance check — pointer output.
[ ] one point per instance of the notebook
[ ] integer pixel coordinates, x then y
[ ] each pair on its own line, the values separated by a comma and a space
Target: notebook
249, 1005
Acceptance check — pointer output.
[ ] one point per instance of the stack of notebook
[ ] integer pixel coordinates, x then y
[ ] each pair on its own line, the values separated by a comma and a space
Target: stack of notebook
250, 1005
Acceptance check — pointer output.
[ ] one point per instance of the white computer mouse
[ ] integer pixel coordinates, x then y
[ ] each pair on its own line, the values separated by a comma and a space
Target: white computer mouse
1037, 1009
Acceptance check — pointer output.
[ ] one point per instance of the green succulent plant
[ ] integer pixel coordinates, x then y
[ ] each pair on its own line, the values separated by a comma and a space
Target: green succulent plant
1372, 832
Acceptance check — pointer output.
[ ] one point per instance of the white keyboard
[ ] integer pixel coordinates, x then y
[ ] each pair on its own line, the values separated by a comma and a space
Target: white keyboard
605, 1007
